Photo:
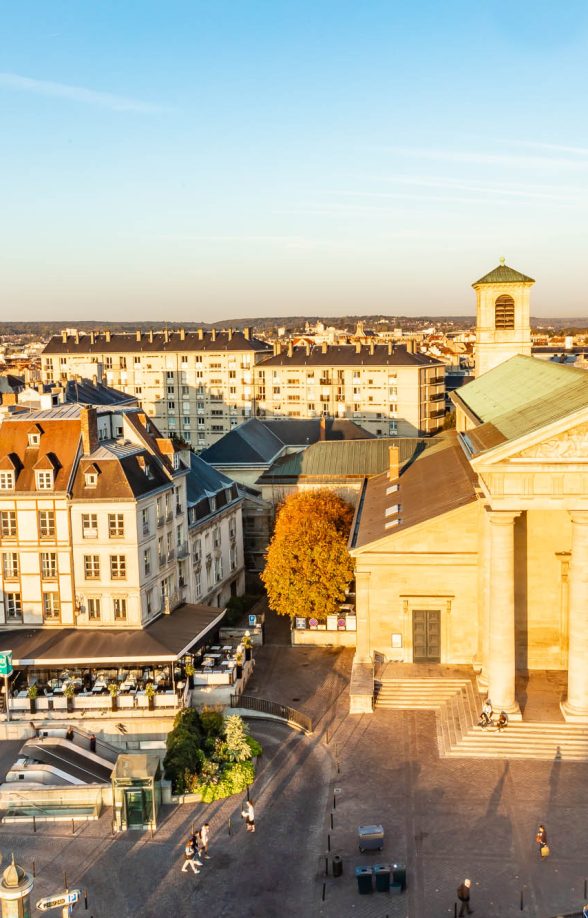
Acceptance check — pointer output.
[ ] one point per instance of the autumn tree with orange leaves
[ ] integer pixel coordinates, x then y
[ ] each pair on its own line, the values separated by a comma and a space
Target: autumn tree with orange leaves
308, 567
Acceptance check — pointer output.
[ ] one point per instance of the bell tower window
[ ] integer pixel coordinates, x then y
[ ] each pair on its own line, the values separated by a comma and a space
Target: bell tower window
504, 312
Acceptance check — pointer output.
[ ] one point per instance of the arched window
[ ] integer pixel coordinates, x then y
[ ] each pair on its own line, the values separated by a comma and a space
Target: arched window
504, 312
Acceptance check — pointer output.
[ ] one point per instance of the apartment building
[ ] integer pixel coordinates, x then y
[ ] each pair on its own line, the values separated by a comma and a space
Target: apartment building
389, 390
99, 519
195, 385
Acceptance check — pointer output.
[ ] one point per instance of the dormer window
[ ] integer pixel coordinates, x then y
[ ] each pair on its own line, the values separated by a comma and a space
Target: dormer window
91, 479
212, 504
45, 479
34, 439
6, 481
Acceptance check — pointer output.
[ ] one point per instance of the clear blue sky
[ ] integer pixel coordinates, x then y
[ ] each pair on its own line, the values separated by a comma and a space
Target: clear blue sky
209, 160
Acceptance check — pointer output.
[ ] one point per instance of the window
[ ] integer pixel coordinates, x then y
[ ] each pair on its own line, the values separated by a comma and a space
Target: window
504, 312
51, 607
34, 438
119, 607
44, 480
149, 601
147, 561
10, 565
145, 521
13, 606
93, 608
48, 565
8, 524
170, 375
89, 525
116, 525
6, 481
138, 390
137, 361
118, 567
197, 583
171, 406
92, 567
91, 479
123, 363
47, 524
108, 363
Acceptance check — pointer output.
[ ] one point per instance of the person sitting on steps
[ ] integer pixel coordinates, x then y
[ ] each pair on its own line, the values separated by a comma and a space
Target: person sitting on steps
502, 721
486, 715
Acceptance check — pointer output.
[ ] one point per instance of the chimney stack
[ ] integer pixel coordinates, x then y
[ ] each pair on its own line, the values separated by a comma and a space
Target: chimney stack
324, 347
107, 335
89, 429
323, 428
92, 337
200, 334
389, 348
150, 336
213, 334
138, 335
307, 348
371, 348
182, 334
394, 463
77, 337
229, 334
410, 346
358, 347
165, 335
247, 333
64, 337
290, 348
277, 348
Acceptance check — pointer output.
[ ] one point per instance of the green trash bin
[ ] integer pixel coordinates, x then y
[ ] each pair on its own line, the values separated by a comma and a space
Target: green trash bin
382, 874
364, 880
337, 866
399, 876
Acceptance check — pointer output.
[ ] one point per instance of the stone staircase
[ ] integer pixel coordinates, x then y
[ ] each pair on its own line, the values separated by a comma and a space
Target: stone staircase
457, 706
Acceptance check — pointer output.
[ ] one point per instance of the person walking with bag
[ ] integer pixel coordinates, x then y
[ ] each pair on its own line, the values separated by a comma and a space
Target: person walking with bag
204, 835
248, 814
463, 894
190, 858
541, 839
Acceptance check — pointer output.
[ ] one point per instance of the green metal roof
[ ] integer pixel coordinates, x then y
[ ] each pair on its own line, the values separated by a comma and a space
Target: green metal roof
524, 393
504, 275
344, 458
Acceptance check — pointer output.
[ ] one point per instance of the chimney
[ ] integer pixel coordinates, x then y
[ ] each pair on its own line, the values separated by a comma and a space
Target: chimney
213, 334
182, 334
138, 335
277, 348
94, 380
323, 428
107, 335
371, 348
89, 430
64, 337
200, 334
324, 347
247, 333
358, 347
165, 335
307, 348
92, 337
77, 337
150, 336
230, 334
389, 348
290, 348
394, 463
410, 346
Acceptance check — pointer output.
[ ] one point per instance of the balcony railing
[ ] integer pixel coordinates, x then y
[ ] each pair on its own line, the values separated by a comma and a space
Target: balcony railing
145, 529
160, 520
162, 560
171, 554
169, 515
179, 509
182, 550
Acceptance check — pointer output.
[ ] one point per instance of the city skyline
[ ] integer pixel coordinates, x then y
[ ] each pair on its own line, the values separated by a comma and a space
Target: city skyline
201, 161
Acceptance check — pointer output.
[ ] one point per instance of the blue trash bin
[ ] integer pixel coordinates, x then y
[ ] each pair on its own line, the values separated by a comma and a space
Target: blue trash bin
364, 880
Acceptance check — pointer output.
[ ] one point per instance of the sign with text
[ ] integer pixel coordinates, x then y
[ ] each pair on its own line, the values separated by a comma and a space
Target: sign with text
70, 897
6, 667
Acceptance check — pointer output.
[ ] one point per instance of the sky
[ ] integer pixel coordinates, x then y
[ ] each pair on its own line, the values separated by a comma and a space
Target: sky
201, 161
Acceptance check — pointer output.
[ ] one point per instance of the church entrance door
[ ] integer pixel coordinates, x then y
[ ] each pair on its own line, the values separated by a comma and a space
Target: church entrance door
426, 636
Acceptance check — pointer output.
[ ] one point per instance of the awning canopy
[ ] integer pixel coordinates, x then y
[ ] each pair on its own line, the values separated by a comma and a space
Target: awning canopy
165, 640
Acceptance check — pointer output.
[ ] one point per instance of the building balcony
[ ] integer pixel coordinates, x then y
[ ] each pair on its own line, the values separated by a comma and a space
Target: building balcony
171, 555
162, 560
325, 381
179, 509
437, 414
160, 520
169, 515
145, 529
182, 550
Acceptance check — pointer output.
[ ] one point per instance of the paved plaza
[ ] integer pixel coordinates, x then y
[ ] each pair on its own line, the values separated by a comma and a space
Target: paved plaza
444, 818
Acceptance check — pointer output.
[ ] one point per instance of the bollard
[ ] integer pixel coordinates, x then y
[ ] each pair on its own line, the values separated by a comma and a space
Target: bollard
522, 901
65, 880
86, 899
334, 801
34, 823
324, 891
332, 826
34, 874
328, 842
229, 825
326, 865
455, 910
73, 828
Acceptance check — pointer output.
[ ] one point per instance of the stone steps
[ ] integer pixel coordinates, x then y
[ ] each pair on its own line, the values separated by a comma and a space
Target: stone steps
457, 706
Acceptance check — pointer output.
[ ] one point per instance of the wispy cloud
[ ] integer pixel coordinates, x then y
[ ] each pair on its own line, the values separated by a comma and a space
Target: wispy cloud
489, 159
75, 94
556, 147
562, 196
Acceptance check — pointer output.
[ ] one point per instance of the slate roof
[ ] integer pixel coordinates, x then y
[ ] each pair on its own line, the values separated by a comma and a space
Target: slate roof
519, 396
347, 459
257, 442
437, 482
203, 480
503, 274
346, 355
86, 392
125, 343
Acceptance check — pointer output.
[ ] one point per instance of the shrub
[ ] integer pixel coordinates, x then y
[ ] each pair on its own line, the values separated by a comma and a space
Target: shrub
236, 747
234, 779
255, 747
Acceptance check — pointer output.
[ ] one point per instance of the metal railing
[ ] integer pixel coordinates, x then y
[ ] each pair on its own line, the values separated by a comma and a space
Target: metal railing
282, 711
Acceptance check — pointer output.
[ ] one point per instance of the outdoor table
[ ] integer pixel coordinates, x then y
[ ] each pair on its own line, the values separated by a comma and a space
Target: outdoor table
227, 648
215, 647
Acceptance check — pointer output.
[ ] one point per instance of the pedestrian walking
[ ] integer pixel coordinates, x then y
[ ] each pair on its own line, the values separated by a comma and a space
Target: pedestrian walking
69, 734
463, 894
190, 858
585, 911
204, 835
541, 840
248, 814
92, 743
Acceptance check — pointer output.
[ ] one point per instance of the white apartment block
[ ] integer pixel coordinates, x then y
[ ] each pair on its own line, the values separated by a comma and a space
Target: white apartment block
103, 521
389, 390
195, 385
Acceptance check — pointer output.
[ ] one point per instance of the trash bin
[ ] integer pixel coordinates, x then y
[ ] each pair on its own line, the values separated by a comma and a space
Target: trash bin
399, 876
364, 880
382, 875
337, 866
371, 838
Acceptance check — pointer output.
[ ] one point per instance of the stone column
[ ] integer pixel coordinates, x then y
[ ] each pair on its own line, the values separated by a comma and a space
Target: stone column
362, 610
576, 705
484, 585
501, 651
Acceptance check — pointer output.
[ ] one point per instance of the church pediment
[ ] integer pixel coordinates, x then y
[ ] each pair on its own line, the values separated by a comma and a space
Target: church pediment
570, 445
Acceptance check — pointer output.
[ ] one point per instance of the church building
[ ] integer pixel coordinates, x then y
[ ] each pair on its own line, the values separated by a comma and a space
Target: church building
476, 551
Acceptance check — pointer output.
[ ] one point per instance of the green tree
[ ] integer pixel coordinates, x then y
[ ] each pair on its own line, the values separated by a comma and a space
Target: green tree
308, 568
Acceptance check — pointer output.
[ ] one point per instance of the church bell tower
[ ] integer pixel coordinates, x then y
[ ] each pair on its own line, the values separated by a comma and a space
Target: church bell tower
503, 324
